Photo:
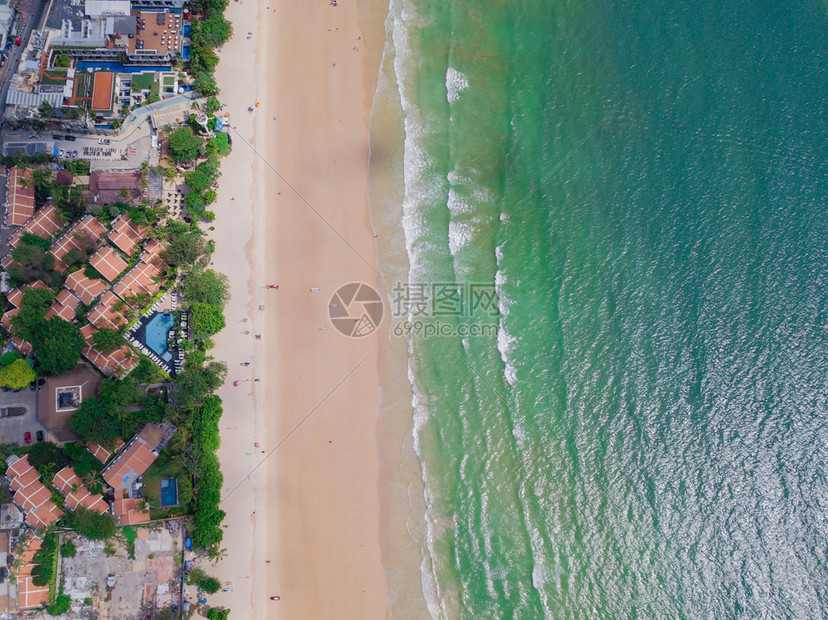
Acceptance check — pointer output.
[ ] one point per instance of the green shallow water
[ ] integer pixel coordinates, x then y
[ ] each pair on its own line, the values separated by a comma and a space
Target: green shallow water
646, 184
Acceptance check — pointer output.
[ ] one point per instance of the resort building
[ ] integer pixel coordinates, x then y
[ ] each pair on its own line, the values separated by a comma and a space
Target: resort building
107, 262
69, 484
20, 197
125, 472
129, 510
29, 596
59, 397
135, 459
104, 314
87, 231
126, 235
86, 288
109, 188
120, 362
64, 306
104, 89
44, 224
30, 493
101, 453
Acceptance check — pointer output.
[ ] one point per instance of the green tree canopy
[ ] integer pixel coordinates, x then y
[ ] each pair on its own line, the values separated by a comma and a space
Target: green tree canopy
91, 524
93, 422
185, 248
197, 383
17, 375
184, 144
62, 60
107, 340
206, 319
206, 84
206, 286
198, 180
58, 345
32, 315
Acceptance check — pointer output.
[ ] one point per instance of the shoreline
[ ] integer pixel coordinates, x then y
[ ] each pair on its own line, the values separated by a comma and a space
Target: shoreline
311, 501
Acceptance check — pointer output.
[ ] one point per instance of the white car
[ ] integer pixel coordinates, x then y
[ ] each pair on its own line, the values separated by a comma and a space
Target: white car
60, 154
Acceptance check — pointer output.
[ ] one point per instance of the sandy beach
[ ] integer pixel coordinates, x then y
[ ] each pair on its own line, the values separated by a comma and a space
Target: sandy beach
302, 505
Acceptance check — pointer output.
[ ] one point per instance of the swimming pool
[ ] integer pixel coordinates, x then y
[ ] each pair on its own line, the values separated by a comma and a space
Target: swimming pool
169, 492
156, 334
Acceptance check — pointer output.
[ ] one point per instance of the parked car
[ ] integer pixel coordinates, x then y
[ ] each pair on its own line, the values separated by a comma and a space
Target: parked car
18, 41
74, 154
33, 386
57, 136
27, 437
41, 382
60, 153
39, 435
70, 138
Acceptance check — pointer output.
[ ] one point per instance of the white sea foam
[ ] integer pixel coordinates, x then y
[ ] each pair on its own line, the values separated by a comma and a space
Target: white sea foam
456, 83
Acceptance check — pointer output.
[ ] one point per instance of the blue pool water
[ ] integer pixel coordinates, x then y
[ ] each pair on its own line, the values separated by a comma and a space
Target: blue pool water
169, 492
118, 67
156, 334
185, 31
185, 52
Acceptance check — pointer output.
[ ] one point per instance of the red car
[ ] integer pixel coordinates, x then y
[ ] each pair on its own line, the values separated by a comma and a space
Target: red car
17, 41
27, 438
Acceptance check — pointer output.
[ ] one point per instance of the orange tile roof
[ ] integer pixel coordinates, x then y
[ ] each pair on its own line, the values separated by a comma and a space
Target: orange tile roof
108, 263
20, 466
6, 320
125, 234
119, 361
85, 288
24, 346
102, 87
101, 453
127, 512
20, 200
65, 479
140, 279
25, 479
152, 252
15, 296
31, 494
105, 315
64, 306
44, 224
87, 227
44, 515
29, 595
132, 462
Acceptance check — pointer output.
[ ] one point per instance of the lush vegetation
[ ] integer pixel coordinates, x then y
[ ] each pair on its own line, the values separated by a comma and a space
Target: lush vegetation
214, 613
212, 31
17, 375
44, 560
107, 340
56, 343
68, 549
117, 411
61, 605
33, 262
197, 577
90, 524
184, 145
206, 319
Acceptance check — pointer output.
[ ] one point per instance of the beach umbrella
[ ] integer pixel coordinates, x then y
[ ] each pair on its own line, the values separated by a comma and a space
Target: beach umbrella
237, 383
258, 105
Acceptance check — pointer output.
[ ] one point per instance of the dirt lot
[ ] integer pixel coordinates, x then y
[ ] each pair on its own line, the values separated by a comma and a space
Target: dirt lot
140, 584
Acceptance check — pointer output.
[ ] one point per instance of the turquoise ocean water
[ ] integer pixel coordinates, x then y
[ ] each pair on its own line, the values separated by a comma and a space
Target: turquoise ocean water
645, 185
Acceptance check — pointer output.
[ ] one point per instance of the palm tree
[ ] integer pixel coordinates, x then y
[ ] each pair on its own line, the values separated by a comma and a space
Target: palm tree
216, 554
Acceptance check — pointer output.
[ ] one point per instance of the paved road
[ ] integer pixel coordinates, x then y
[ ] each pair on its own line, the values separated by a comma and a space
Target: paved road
31, 12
